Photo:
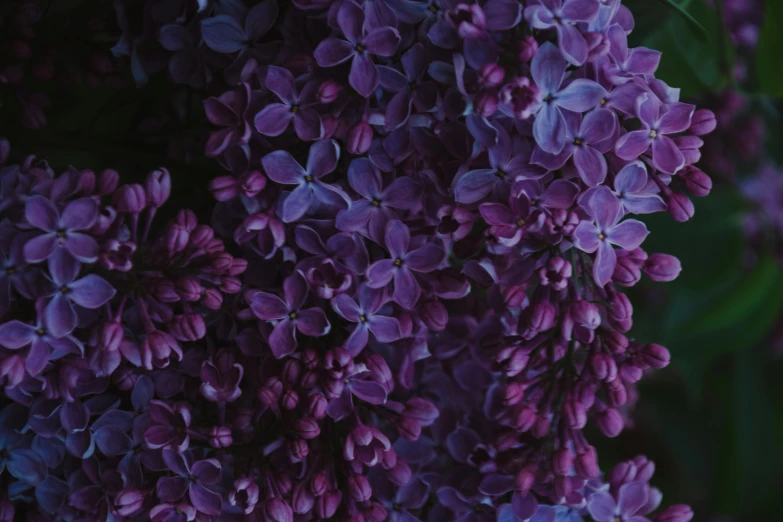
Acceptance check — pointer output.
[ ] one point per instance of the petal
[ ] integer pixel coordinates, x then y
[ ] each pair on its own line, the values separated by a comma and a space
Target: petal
580, 95
356, 217
79, 214
307, 124
282, 168
282, 341
380, 273
633, 144
451, 499
559, 194
643, 61
602, 506
385, 329
631, 178
666, 155
425, 259
207, 471
591, 165
604, 263
27, 466
597, 126
222, 34
502, 14
548, 68
312, 322
82, 247
16, 334
295, 288
308, 240
332, 52
112, 441
604, 207
677, 118
572, 43
368, 391
206, 501
406, 289
586, 237
643, 203
39, 248
397, 238
357, 340
219, 141
345, 307
363, 76
382, 42
399, 109
60, 317
648, 107
41, 213
497, 214
632, 498
63, 267
298, 203
91, 291
414, 62
549, 129
402, 193
273, 119
268, 307
38, 356
323, 158
171, 489
364, 178
331, 195
260, 19
627, 235
580, 10
218, 113
350, 18
474, 185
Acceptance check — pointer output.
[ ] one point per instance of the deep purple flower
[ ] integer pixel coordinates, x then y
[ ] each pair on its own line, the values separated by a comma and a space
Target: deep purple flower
631, 498
548, 70
170, 427
289, 315
376, 209
402, 263
465, 508
409, 88
563, 15
634, 190
472, 23
607, 231
43, 346
180, 512
508, 222
658, 121
357, 381
90, 292
399, 499
625, 63
22, 462
274, 118
221, 384
365, 315
282, 168
228, 111
193, 477
360, 43
61, 230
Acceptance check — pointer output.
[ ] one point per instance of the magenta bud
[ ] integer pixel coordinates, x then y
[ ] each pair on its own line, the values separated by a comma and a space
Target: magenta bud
87, 181
525, 419
302, 500
621, 311
562, 486
655, 356
615, 342
622, 473
542, 427
662, 267
585, 313
575, 414
527, 48
610, 422
187, 219
277, 510
513, 393
631, 373
253, 183
359, 488
616, 392
316, 406
12, 371
586, 463
434, 315
177, 238
111, 336
270, 393
400, 473
212, 298
524, 480
328, 91
408, 427
491, 75
627, 271
696, 181
224, 188
676, 513
599, 365
158, 187
680, 207
220, 437
299, 448
289, 400
108, 180
486, 103
359, 138
422, 410
542, 316
128, 502
319, 484
124, 378
328, 503
130, 198
562, 461
307, 428
377, 365
703, 122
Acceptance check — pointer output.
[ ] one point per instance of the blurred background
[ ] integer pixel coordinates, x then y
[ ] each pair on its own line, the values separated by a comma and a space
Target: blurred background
713, 420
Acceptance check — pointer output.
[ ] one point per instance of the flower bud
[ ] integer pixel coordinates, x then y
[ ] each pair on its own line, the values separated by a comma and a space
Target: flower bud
585, 313
680, 207
542, 316
158, 187
486, 103
615, 342
562, 461
220, 437
527, 48
302, 500
319, 484
87, 181
111, 336
696, 181
513, 393
400, 473
130, 198
434, 315
316, 406
202, 236
703, 122
491, 75
11, 371
676, 513
253, 183
408, 427
328, 92
524, 480
603, 367
359, 138
575, 415
586, 463
224, 188
328, 503
690, 146
244, 494
127, 502
525, 419
289, 400
307, 428
108, 180
299, 449
655, 356
616, 392
662, 267
627, 272
609, 422
277, 510
359, 488
621, 311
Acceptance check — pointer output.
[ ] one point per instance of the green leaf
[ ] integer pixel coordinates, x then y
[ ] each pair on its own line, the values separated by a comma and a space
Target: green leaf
770, 73
698, 29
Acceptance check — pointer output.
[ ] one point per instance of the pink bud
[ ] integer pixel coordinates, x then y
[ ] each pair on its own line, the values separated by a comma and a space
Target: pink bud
524, 480
586, 463
562, 461
491, 75
656, 356
680, 207
158, 187
696, 181
359, 138
359, 488
408, 427
703, 122
224, 188
277, 510
220, 437
328, 503
610, 422
302, 500
108, 181
434, 315
253, 183
676, 513
111, 336
316, 406
328, 91
299, 448
87, 181
307, 428
130, 198
527, 49
127, 502
486, 103
662, 267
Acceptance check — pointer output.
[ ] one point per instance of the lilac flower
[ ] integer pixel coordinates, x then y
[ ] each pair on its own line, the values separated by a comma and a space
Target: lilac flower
563, 15
180, 512
193, 477
43, 346
170, 426
274, 118
465, 508
90, 292
402, 263
658, 121
61, 230
399, 500
282, 168
356, 381
632, 186
508, 222
228, 111
560, 194
548, 70
472, 23
587, 141
360, 43
376, 208
631, 499
289, 315
364, 314
409, 88
626, 64
22, 462
607, 231
221, 385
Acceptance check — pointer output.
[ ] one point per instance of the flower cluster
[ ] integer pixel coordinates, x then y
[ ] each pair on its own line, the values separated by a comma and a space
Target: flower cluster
415, 307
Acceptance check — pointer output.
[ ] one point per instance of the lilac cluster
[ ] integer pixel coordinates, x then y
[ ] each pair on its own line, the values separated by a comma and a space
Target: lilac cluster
415, 310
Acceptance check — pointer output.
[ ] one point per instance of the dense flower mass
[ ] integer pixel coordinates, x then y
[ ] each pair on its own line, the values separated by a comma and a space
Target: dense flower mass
406, 305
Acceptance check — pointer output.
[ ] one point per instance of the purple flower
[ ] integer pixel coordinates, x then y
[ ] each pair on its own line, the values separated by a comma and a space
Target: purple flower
635, 190
193, 477
22, 463
548, 70
402, 263
563, 15
180, 512
466, 509
508, 222
91, 292
61, 230
43, 346
289, 315
221, 384
273, 119
625, 64
399, 499
607, 231
282, 168
472, 23
631, 498
588, 139
358, 381
170, 427
228, 111
409, 88
360, 43
375, 210
560, 194
365, 314
658, 121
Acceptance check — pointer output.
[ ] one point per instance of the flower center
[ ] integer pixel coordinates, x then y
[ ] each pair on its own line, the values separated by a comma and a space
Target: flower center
396, 506
533, 202
601, 236
520, 222
40, 331
10, 270
293, 315
60, 234
603, 102
653, 134
294, 108
549, 98
64, 289
500, 173
578, 141
362, 318
398, 262
433, 8
376, 203
309, 178
359, 48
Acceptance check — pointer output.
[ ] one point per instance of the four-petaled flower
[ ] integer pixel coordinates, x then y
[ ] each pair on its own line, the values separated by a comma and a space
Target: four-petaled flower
365, 315
563, 15
274, 118
62, 231
192, 478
